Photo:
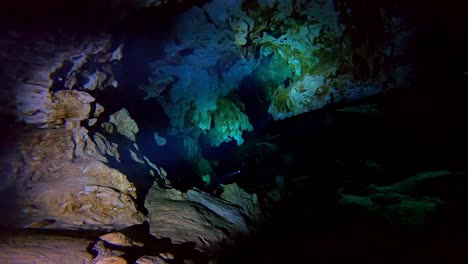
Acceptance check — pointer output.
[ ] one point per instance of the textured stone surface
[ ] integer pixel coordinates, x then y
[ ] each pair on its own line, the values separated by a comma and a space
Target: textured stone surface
119, 239
34, 70
126, 126
110, 260
150, 260
103, 252
99, 110
229, 123
40, 248
71, 105
64, 179
105, 147
329, 56
183, 221
201, 67
220, 207
248, 202
306, 55
209, 222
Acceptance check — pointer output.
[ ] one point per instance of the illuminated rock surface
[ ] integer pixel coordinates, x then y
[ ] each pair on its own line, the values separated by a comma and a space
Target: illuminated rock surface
64, 179
196, 217
126, 126
38, 248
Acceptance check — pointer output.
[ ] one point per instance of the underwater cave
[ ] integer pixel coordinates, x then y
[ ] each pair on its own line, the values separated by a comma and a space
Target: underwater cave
233, 131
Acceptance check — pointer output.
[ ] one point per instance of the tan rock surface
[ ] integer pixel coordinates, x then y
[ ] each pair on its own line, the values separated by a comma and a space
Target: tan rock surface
40, 248
209, 222
183, 221
70, 105
105, 147
119, 239
64, 179
99, 110
150, 260
110, 260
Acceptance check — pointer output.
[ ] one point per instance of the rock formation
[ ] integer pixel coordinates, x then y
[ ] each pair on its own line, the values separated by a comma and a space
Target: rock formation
74, 161
22, 247
211, 223
64, 179
35, 87
125, 125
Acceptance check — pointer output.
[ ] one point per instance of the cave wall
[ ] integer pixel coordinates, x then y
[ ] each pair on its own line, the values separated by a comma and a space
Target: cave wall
65, 153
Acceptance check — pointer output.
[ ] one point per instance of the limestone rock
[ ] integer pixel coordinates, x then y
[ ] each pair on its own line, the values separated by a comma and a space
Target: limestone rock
248, 202
196, 217
229, 123
99, 110
161, 172
300, 97
22, 247
119, 239
71, 105
150, 260
110, 260
134, 157
225, 210
65, 180
102, 251
209, 73
126, 126
92, 121
182, 221
43, 72
159, 140
92, 81
117, 54
105, 147
108, 127
240, 29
